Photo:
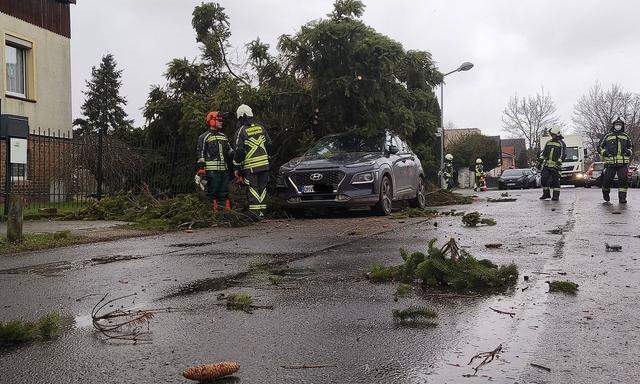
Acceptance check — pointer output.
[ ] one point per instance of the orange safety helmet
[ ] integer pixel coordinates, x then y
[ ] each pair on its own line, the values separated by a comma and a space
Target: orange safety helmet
212, 116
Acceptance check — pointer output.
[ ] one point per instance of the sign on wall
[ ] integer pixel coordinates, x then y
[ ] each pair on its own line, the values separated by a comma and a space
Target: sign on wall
18, 151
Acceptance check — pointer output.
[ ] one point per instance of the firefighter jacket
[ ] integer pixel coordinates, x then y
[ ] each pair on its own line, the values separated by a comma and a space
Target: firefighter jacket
553, 153
616, 149
447, 172
216, 151
252, 148
479, 170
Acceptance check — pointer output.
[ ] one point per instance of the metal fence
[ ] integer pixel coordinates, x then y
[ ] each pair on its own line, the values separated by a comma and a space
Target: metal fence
67, 172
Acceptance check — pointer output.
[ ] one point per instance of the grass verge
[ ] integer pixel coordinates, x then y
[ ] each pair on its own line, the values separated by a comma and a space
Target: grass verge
38, 241
18, 332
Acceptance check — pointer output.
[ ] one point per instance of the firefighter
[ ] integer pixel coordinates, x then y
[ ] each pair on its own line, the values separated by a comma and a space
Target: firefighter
447, 171
616, 150
215, 161
550, 161
479, 173
252, 159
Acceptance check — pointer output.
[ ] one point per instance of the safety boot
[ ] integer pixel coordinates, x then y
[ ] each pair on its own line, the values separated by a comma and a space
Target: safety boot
545, 194
556, 196
622, 197
605, 195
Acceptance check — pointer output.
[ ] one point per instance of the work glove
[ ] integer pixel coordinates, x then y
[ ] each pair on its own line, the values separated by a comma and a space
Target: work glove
238, 179
201, 172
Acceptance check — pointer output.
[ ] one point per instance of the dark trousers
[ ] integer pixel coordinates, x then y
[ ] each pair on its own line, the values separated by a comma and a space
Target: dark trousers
217, 185
257, 191
609, 174
550, 180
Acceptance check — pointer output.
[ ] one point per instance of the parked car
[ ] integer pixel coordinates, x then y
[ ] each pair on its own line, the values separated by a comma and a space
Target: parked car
634, 176
518, 178
594, 175
350, 171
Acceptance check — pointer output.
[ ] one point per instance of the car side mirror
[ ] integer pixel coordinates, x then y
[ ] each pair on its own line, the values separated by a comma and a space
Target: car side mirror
393, 149
585, 152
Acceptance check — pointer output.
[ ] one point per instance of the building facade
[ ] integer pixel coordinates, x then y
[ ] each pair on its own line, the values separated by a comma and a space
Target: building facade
35, 76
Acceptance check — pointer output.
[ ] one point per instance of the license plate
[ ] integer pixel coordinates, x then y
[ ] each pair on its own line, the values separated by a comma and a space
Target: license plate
511, 184
307, 189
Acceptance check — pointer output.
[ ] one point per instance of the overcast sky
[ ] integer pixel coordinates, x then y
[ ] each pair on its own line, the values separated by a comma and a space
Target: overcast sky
516, 46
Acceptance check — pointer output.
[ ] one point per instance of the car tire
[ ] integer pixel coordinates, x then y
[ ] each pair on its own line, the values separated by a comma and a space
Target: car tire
384, 205
420, 201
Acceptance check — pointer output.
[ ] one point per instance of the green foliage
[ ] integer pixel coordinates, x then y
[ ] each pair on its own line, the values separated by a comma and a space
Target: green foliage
403, 290
17, 332
414, 315
38, 241
437, 269
378, 273
442, 197
103, 108
468, 148
149, 213
567, 287
474, 218
333, 75
239, 302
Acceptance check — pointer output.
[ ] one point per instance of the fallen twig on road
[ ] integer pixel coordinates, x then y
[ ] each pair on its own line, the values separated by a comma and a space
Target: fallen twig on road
612, 248
493, 245
512, 314
209, 372
486, 357
501, 199
451, 295
123, 324
540, 367
308, 366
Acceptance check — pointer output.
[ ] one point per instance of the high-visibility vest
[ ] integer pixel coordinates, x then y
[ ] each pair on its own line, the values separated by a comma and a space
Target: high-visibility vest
254, 143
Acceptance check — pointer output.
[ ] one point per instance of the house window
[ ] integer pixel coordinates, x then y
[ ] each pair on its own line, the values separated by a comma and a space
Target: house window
16, 59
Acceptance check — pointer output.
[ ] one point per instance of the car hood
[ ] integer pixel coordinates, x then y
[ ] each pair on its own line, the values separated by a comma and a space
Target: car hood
342, 159
512, 178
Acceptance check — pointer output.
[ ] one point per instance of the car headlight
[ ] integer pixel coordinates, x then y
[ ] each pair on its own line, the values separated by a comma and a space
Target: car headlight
579, 175
364, 178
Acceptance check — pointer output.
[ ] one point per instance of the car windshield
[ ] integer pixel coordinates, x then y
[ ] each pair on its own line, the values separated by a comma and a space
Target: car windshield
571, 154
341, 144
512, 172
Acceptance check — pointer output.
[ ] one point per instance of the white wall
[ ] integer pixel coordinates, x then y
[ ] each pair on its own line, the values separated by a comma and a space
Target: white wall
49, 85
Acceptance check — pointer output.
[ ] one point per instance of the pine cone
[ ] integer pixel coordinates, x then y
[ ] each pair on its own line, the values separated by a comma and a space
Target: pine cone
209, 372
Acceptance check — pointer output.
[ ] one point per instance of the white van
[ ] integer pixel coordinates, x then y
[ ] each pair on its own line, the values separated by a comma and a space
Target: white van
573, 166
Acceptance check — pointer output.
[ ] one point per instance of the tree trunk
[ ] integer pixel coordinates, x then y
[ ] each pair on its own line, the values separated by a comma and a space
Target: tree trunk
14, 218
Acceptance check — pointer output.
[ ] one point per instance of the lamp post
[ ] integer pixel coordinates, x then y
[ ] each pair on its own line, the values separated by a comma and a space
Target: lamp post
463, 67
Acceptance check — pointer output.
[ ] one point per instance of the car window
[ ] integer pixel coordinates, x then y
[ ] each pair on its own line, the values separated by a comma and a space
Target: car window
512, 172
598, 166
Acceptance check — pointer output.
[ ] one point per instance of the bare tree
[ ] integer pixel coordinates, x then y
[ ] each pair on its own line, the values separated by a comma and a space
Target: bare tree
594, 112
530, 117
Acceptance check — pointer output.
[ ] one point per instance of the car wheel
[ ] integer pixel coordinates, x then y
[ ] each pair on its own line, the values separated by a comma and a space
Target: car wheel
420, 201
383, 207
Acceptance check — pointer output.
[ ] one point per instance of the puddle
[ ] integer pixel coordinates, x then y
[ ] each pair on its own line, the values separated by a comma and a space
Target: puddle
48, 270
82, 321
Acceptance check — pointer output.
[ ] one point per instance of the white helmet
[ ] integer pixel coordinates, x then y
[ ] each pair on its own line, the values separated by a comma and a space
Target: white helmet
449, 157
244, 110
554, 130
478, 161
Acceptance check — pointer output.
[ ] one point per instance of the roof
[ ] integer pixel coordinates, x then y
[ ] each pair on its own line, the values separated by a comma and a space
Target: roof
53, 15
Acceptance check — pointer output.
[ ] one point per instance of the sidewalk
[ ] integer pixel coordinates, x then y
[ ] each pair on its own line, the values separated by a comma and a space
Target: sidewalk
77, 227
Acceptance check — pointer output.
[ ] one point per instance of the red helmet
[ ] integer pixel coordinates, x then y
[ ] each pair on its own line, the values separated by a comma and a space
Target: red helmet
213, 116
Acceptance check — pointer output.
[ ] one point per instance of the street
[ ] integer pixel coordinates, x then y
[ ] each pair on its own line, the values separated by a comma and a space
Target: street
325, 311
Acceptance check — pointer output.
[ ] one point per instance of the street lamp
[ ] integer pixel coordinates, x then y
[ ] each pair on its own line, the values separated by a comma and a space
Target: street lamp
463, 67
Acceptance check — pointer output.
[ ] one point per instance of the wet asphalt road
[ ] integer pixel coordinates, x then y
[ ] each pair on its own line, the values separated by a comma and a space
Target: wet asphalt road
328, 313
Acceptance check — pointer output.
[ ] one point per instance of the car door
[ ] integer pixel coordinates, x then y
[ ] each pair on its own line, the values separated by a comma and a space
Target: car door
395, 163
412, 168
403, 178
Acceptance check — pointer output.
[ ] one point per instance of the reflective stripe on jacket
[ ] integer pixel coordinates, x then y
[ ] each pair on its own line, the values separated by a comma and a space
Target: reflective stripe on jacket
616, 148
479, 170
553, 154
216, 151
252, 147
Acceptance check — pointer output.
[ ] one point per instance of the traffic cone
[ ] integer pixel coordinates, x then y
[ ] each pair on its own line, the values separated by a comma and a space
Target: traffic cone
227, 205
215, 206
